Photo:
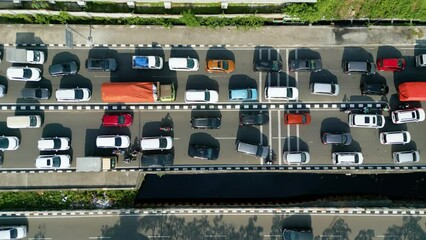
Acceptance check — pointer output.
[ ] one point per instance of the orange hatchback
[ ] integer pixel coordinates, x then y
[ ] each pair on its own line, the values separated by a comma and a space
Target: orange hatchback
220, 66
297, 118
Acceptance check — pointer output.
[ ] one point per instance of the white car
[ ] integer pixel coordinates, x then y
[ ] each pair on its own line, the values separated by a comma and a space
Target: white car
9, 143
399, 137
366, 120
406, 157
23, 74
421, 60
408, 115
296, 158
73, 94
184, 64
53, 161
53, 144
112, 141
13, 232
281, 93
347, 158
157, 143
201, 96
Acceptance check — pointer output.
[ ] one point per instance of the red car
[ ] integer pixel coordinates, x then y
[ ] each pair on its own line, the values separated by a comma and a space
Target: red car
390, 64
297, 118
117, 120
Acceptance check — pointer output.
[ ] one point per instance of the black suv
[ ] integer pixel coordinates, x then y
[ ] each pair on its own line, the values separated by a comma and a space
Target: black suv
374, 89
254, 119
305, 65
206, 123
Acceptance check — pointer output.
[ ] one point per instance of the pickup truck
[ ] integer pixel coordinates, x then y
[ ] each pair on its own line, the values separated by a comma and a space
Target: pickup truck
147, 62
14, 55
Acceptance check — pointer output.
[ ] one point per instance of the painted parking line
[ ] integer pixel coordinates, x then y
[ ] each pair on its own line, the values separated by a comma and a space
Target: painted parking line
225, 138
280, 147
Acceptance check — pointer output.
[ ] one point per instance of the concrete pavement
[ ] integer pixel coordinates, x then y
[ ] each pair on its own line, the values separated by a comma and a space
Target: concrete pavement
275, 36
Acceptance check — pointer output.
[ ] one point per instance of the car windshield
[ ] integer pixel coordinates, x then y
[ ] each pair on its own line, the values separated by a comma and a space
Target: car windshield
37, 93
400, 63
56, 143
259, 151
303, 118
379, 121
4, 143
13, 233
66, 67
36, 56
190, 63
78, 94
207, 96
117, 141
224, 65
33, 121
104, 64
27, 73
56, 161
162, 142
121, 119
289, 92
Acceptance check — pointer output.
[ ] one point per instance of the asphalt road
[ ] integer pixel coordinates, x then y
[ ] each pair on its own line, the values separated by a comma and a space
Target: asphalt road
218, 225
82, 126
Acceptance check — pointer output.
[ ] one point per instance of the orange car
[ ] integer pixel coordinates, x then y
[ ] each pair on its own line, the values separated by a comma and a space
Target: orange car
297, 118
220, 66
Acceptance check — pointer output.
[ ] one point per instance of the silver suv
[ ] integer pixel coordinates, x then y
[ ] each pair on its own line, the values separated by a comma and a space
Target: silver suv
359, 67
252, 149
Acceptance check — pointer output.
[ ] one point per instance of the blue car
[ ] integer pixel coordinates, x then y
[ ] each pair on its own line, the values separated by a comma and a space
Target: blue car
248, 94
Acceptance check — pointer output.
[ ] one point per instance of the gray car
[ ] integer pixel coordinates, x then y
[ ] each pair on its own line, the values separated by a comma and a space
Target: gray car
63, 69
336, 138
35, 93
305, 65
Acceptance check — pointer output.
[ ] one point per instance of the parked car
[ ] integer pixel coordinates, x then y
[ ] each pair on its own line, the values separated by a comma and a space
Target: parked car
408, 115
253, 149
220, 66
297, 234
336, 138
305, 65
13, 232
296, 158
104, 64
421, 60
366, 120
9, 143
54, 144
406, 156
267, 66
374, 88
250, 118
183, 64
157, 159
247, 94
157, 143
360, 67
117, 120
2, 90
73, 94
35, 93
347, 158
53, 161
328, 89
112, 141
206, 122
63, 69
201, 96
397, 137
297, 118
23, 74
390, 64
281, 93
203, 152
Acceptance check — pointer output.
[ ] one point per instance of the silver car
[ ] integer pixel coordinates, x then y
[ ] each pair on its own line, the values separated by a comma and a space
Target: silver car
35, 93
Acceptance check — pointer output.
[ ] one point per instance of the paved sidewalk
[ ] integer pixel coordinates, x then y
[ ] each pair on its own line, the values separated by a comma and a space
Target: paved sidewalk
276, 36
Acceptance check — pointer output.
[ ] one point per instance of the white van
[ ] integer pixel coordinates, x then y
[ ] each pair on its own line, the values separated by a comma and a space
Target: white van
281, 93
31, 121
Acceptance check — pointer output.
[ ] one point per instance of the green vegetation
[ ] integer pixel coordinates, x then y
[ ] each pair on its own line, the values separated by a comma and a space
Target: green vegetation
357, 9
57, 200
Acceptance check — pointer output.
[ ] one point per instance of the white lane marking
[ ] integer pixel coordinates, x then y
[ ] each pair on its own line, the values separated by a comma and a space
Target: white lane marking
298, 138
39, 238
260, 79
270, 137
280, 147
288, 137
158, 236
269, 53
99, 237
226, 138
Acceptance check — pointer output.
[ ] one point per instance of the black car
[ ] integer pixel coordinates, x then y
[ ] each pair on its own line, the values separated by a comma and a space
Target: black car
305, 65
206, 123
374, 89
106, 64
297, 234
268, 66
254, 119
203, 152
336, 138
157, 159
63, 69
